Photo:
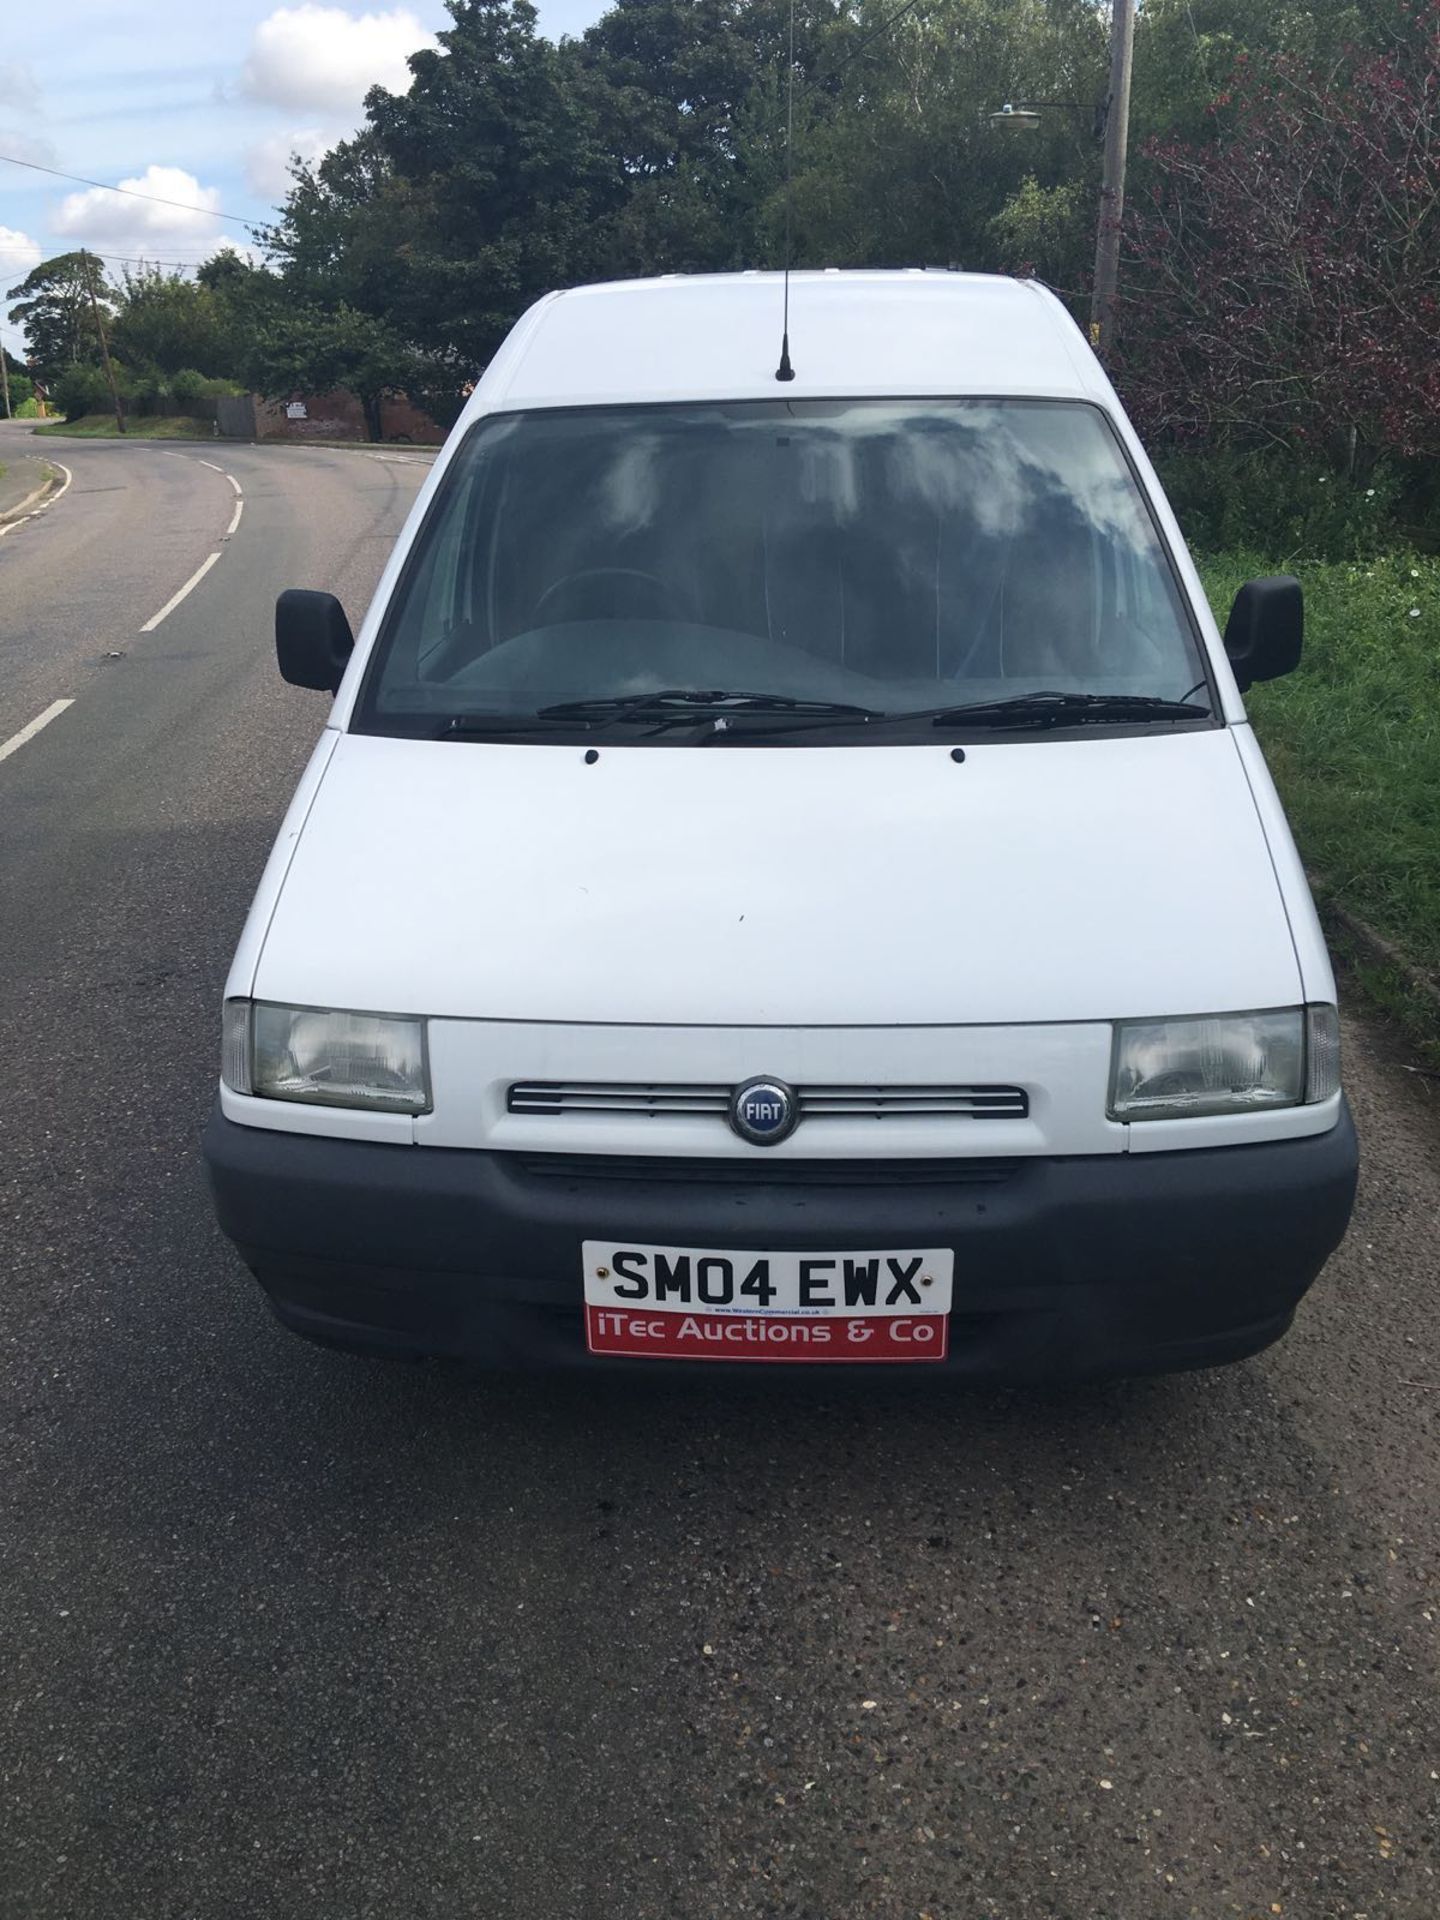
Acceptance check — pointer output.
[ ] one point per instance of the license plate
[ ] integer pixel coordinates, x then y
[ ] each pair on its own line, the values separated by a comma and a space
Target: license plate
707, 1303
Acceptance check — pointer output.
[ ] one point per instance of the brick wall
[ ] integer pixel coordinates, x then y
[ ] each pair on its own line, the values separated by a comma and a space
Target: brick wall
401, 419
327, 416
340, 416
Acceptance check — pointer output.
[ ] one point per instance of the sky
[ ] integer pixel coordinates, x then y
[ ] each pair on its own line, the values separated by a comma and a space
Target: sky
195, 101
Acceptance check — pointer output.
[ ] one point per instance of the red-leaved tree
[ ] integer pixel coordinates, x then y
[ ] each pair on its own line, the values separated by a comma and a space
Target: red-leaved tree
1282, 284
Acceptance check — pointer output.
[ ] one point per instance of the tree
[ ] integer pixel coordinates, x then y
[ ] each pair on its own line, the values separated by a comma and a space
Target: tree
307, 350
911, 171
1048, 231
689, 101
168, 322
56, 303
1185, 51
656, 143
904, 167
247, 297
1284, 280
463, 199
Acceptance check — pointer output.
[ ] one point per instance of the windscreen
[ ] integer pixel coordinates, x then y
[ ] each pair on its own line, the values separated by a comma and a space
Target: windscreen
893, 555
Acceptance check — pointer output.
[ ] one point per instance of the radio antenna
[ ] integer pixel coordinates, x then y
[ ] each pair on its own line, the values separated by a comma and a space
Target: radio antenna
785, 371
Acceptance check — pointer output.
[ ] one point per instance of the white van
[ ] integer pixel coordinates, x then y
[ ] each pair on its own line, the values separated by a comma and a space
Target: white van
787, 876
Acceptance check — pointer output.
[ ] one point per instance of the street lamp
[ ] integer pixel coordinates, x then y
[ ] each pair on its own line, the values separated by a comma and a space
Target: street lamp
1114, 121
1016, 119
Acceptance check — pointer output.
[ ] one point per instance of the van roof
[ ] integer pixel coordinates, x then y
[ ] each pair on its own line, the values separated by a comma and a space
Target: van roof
717, 336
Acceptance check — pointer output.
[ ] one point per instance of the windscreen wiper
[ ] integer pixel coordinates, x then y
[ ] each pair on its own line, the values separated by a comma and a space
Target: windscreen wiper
1063, 710
690, 703
1037, 710
712, 713
654, 712
458, 725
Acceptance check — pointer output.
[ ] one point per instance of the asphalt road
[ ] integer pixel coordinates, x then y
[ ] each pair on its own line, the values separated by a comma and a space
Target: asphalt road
286, 1634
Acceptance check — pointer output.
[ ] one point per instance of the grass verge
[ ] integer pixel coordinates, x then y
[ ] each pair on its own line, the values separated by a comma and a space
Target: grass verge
101, 426
1353, 740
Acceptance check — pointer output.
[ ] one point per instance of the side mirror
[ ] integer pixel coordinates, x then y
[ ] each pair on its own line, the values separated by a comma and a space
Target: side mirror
1266, 629
313, 641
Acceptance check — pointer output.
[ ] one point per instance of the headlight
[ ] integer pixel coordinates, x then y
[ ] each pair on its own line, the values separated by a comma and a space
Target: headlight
1224, 1063
331, 1059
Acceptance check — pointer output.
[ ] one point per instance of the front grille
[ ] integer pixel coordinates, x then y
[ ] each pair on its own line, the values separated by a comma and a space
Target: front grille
598, 1096
816, 1103
760, 1170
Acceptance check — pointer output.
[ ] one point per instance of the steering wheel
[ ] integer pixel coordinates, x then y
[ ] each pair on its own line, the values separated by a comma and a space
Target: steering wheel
664, 592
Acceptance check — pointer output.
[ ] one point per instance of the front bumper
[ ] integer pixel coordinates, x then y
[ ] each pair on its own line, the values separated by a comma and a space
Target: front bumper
1064, 1268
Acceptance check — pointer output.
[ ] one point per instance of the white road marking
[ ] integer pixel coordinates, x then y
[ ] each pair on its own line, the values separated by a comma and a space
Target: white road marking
17, 740
59, 493
44, 505
239, 509
205, 463
175, 598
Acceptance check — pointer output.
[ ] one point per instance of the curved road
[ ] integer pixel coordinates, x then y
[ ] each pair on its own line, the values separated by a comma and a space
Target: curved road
284, 1634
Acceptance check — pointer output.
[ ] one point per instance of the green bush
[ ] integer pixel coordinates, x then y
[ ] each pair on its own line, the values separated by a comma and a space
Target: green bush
147, 391
189, 389
80, 391
1282, 505
186, 387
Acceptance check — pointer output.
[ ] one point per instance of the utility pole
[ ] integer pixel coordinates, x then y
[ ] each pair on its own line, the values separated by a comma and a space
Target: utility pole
1112, 190
104, 343
5, 381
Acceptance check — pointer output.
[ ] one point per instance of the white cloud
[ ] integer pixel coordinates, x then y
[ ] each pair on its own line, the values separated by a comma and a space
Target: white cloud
314, 59
267, 162
119, 224
18, 254
27, 146
18, 85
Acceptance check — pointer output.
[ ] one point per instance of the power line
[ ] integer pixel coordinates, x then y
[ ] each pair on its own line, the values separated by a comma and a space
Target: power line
884, 27
133, 259
811, 79
131, 193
